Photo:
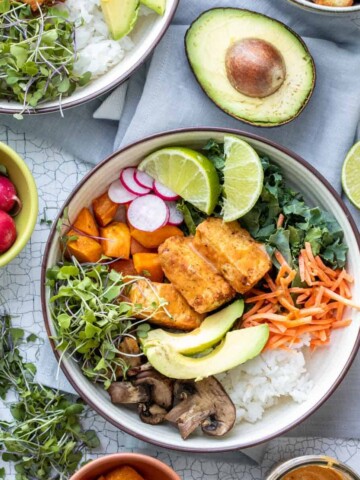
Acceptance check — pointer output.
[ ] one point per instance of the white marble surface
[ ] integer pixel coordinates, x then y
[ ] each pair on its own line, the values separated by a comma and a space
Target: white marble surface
56, 173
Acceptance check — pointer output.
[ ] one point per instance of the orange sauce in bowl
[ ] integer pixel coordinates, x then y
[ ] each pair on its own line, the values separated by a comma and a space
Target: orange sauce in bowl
314, 472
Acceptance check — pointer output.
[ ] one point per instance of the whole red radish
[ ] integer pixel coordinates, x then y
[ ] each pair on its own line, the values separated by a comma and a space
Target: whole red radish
8, 197
7, 231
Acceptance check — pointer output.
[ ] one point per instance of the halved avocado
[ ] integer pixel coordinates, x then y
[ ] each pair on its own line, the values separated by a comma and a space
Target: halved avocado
252, 66
120, 16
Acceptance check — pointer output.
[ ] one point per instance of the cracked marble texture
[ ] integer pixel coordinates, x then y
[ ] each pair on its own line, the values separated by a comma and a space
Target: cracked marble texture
56, 173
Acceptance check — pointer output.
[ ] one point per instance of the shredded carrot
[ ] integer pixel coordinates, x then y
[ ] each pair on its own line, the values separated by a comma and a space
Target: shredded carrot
291, 312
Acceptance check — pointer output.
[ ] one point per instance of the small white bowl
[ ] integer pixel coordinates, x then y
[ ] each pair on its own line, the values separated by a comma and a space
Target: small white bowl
327, 367
353, 11
148, 32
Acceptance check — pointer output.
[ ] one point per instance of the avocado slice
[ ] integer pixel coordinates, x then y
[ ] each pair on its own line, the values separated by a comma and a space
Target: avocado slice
210, 332
238, 347
253, 67
120, 16
158, 6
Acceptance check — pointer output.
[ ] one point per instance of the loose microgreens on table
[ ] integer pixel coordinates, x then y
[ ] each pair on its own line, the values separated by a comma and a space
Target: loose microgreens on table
37, 54
45, 439
92, 316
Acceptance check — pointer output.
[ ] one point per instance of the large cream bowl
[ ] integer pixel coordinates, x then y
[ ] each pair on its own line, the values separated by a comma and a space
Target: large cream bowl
327, 366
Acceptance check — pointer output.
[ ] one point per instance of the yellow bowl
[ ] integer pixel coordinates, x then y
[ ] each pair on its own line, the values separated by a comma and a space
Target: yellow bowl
26, 189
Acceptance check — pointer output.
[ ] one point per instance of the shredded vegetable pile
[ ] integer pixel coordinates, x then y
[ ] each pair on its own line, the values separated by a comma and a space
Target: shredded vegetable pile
316, 308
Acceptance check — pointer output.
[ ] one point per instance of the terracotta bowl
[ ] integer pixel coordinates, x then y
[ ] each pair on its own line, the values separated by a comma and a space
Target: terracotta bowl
148, 467
326, 367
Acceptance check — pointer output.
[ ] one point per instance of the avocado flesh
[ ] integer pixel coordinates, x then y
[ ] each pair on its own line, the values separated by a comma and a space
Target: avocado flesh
158, 6
210, 332
120, 16
207, 41
238, 347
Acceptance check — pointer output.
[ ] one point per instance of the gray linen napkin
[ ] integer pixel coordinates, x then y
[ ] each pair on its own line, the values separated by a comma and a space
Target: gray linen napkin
169, 97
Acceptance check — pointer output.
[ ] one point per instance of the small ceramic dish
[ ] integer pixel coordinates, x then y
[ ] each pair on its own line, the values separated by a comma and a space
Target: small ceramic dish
337, 357
148, 467
313, 7
23, 180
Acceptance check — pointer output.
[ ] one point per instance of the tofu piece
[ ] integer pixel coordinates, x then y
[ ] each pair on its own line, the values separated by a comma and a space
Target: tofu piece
147, 294
193, 276
235, 254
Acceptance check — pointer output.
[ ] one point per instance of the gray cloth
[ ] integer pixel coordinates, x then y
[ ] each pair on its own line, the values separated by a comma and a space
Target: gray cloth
169, 97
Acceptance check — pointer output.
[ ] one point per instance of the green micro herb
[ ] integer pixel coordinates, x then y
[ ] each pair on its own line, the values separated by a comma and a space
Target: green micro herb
92, 317
37, 54
45, 439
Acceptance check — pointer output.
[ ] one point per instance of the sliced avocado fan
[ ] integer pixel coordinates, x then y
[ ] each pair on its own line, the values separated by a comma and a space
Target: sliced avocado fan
158, 6
238, 347
120, 16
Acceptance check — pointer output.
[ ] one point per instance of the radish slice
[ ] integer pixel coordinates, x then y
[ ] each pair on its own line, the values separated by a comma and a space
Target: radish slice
148, 213
175, 216
119, 194
164, 192
143, 179
128, 180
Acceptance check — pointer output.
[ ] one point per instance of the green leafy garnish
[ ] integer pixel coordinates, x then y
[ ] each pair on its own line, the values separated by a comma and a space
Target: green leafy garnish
92, 317
45, 439
37, 54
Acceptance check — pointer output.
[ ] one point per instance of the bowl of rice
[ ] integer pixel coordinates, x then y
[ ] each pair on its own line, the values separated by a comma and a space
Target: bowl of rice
278, 389
94, 62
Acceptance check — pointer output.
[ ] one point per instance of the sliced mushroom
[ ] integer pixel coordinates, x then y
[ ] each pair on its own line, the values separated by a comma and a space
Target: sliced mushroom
145, 367
130, 347
161, 387
153, 414
126, 392
204, 404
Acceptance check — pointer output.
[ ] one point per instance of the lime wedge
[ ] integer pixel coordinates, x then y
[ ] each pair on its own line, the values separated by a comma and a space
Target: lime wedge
350, 176
187, 173
243, 178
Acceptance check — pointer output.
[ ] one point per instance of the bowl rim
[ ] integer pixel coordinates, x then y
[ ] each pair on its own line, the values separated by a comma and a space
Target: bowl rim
117, 82
84, 395
313, 7
155, 462
25, 235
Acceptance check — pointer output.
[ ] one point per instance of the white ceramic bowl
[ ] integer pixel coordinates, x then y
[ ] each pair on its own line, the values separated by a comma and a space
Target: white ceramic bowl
146, 35
326, 366
353, 11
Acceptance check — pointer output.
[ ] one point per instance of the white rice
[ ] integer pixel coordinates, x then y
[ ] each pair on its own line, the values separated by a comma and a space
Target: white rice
260, 383
97, 52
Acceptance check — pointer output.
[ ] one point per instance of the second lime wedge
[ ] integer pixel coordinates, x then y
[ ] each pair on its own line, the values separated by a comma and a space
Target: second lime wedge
186, 172
243, 178
351, 175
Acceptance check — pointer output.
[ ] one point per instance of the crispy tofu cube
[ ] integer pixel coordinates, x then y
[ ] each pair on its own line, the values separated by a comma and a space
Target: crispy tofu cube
235, 254
193, 276
175, 314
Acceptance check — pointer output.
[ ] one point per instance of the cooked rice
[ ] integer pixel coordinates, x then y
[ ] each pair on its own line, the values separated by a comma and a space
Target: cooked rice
260, 383
97, 52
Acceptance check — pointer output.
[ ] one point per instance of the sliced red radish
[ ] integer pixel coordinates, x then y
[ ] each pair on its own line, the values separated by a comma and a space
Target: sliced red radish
175, 216
148, 213
128, 180
119, 194
143, 179
164, 192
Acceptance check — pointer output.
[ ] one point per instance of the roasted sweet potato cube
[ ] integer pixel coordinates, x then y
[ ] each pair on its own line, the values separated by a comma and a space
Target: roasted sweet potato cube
85, 222
116, 240
104, 209
148, 265
126, 267
123, 473
136, 247
84, 249
156, 238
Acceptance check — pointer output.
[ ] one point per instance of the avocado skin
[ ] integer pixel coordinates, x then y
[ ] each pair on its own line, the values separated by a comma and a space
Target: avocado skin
263, 124
238, 347
210, 332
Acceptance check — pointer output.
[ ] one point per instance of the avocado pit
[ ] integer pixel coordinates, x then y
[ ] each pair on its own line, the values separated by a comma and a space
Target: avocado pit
255, 67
